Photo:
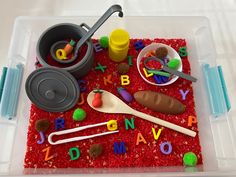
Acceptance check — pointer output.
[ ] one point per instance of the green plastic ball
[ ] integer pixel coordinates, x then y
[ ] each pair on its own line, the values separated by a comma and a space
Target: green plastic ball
190, 159
104, 41
173, 63
79, 114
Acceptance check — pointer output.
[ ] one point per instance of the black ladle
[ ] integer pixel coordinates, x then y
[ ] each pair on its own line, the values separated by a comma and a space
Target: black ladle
86, 36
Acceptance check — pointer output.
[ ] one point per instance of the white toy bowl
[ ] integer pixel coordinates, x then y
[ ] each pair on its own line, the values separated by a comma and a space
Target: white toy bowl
172, 53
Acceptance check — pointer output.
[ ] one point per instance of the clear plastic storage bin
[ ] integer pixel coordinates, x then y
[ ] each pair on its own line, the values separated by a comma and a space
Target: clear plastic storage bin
216, 131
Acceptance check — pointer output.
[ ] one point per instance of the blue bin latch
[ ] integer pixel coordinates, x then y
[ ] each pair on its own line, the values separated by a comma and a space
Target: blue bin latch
10, 85
217, 90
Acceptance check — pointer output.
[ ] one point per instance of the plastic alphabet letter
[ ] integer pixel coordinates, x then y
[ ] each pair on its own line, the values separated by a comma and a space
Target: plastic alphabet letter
82, 85
156, 135
191, 120
146, 73
160, 79
112, 125
81, 99
107, 79
140, 138
125, 80
139, 45
183, 52
183, 94
74, 153
150, 54
166, 151
166, 60
119, 149
101, 67
157, 79
61, 54
130, 60
129, 123
97, 47
59, 123
42, 138
47, 150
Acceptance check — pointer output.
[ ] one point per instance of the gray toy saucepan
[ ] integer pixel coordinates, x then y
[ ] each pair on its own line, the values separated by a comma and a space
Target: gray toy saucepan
54, 38
55, 89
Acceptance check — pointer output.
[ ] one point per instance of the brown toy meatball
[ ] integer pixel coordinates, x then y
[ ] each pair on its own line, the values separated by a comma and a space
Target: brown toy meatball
123, 68
161, 52
95, 150
42, 125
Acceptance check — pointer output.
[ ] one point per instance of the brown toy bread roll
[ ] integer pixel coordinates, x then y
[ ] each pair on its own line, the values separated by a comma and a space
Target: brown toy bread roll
159, 102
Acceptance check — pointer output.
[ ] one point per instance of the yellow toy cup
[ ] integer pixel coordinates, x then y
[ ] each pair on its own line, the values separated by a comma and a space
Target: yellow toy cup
118, 45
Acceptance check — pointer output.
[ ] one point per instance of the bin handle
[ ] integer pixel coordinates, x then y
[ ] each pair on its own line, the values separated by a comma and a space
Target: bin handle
217, 90
11, 91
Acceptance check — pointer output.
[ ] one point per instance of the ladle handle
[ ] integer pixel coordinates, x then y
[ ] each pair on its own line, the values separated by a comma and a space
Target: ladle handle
84, 25
180, 74
163, 123
100, 21
169, 70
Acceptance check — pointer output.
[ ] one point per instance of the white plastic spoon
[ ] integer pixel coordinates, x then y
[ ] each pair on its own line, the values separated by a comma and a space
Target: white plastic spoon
112, 104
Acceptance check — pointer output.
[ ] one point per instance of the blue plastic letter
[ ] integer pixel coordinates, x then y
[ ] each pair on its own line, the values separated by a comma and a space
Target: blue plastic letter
42, 138
119, 149
183, 94
59, 123
163, 150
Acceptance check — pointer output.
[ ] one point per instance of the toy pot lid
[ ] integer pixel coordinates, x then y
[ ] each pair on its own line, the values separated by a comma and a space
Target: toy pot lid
52, 89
